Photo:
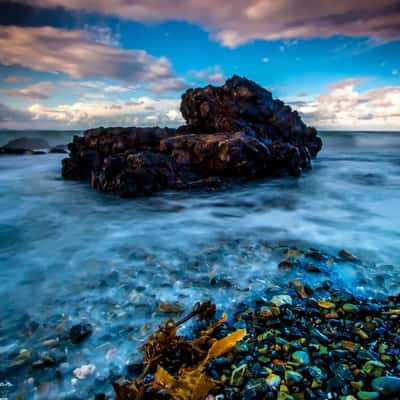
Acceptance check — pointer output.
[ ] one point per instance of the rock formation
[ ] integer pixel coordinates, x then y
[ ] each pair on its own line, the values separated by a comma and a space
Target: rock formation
233, 131
24, 146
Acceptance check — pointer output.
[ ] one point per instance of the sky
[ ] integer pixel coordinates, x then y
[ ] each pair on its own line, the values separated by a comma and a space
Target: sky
76, 64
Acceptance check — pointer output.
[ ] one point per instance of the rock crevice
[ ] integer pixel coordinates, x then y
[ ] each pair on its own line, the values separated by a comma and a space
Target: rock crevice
233, 131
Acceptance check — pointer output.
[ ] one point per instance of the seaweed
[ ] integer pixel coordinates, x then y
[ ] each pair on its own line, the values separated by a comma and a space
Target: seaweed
179, 365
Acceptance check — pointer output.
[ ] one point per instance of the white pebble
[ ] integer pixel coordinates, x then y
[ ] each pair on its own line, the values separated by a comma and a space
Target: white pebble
84, 371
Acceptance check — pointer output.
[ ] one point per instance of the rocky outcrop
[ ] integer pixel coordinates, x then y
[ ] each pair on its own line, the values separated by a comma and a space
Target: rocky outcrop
24, 146
234, 131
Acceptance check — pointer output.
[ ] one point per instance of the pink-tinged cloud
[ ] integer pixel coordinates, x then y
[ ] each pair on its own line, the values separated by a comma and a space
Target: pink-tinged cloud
41, 90
234, 22
73, 53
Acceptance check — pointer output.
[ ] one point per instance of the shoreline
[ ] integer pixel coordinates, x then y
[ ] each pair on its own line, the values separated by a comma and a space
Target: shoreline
313, 319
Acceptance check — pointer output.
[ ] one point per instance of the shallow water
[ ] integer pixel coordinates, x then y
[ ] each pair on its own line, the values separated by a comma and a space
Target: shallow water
69, 254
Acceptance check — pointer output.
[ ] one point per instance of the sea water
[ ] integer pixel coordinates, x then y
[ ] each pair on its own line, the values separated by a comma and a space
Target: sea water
70, 254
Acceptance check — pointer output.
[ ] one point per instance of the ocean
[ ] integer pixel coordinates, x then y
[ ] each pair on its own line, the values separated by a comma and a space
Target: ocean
68, 253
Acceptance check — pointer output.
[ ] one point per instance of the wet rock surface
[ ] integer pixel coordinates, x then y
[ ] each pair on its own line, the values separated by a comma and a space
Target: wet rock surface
234, 131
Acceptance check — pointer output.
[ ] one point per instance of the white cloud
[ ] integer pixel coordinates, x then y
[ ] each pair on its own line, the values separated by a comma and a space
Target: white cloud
213, 75
72, 53
102, 34
84, 114
265, 60
395, 71
235, 22
345, 107
102, 86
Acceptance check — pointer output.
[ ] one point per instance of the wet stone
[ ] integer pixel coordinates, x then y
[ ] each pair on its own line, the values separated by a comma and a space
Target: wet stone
78, 333
301, 357
367, 395
350, 308
387, 385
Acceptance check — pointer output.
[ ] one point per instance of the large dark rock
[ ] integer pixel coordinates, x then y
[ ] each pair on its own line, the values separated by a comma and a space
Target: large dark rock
234, 131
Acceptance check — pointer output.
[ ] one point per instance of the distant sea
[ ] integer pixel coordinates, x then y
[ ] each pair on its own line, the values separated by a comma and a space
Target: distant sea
68, 253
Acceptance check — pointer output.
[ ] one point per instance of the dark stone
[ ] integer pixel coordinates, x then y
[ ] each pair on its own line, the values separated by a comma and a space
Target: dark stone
80, 332
59, 149
233, 131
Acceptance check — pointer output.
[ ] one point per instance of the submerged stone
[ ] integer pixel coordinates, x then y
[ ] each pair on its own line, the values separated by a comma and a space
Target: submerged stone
350, 308
387, 385
293, 377
80, 332
368, 395
281, 300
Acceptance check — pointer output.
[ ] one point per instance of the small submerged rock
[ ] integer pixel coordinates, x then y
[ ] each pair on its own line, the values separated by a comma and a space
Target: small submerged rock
78, 333
328, 305
350, 308
362, 395
348, 256
84, 371
281, 300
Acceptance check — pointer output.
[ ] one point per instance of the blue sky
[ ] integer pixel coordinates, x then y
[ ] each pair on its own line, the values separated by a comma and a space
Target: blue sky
82, 63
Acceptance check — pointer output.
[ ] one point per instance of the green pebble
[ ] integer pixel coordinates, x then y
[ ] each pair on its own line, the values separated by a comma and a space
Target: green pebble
273, 380
242, 347
373, 368
301, 357
368, 395
293, 377
284, 396
350, 308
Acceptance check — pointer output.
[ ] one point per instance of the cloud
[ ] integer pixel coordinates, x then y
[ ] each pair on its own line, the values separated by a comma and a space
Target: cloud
265, 60
102, 86
10, 116
217, 78
103, 35
342, 106
41, 90
345, 107
72, 53
83, 114
213, 75
168, 85
236, 22
16, 79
